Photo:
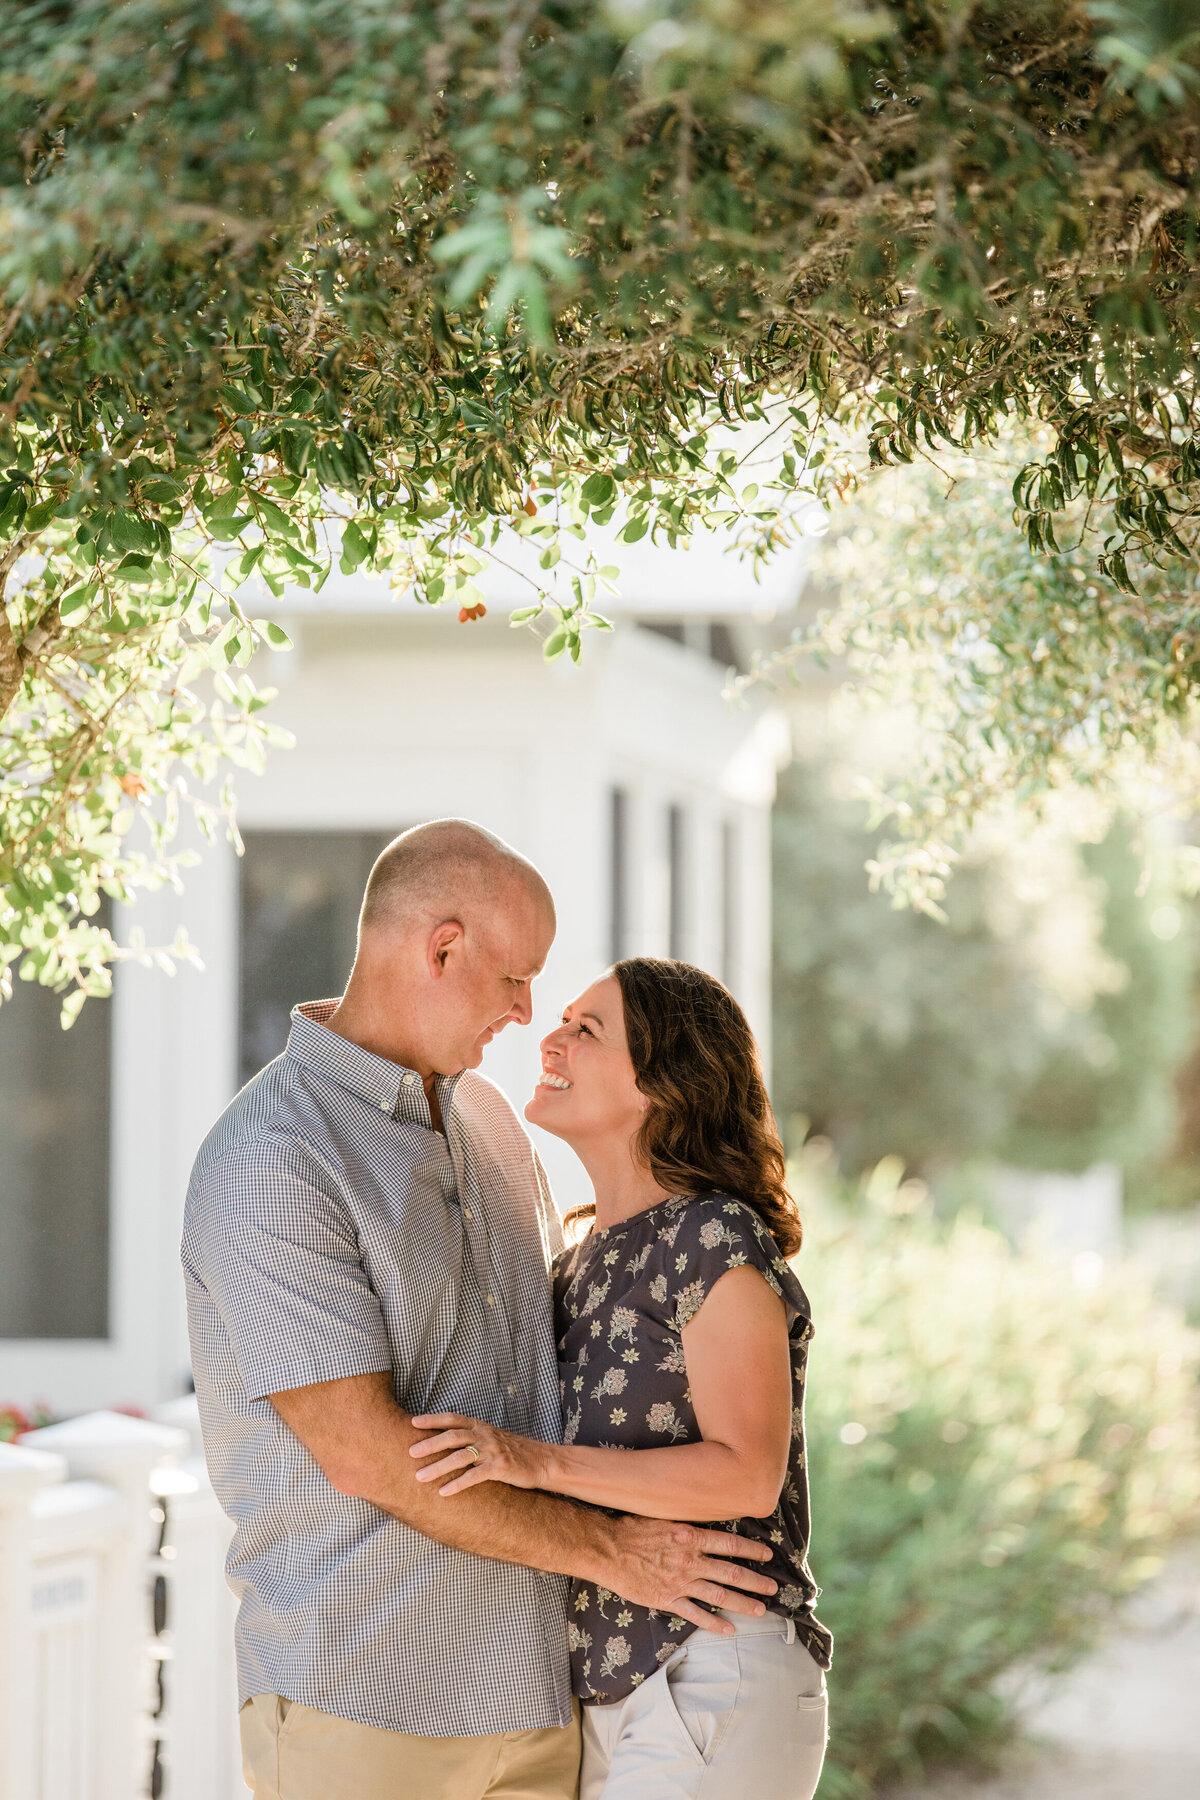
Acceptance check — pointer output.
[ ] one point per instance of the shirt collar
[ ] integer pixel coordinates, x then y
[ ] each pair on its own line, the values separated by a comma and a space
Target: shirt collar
389, 1086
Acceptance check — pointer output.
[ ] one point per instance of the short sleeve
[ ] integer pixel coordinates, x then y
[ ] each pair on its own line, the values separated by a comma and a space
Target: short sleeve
278, 1254
551, 1217
716, 1234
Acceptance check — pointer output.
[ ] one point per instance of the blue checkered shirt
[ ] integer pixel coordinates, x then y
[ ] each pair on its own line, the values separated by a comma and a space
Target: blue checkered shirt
330, 1231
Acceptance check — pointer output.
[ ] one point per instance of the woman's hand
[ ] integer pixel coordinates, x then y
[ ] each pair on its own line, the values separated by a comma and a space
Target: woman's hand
503, 1456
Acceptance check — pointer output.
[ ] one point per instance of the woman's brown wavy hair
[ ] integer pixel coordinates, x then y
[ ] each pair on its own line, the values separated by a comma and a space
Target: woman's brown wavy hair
709, 1125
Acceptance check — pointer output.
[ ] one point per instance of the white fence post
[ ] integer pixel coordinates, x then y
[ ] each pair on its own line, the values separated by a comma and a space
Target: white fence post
22, 1474
202, 1744
120, 1452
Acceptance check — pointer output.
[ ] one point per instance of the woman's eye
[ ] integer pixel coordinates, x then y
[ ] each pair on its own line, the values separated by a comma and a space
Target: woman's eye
583, 1030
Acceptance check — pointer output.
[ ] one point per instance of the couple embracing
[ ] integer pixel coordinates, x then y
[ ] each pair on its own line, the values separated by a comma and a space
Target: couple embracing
478, 1477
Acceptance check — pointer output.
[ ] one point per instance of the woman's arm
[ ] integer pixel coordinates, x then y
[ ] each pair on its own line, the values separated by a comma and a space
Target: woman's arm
739, 1371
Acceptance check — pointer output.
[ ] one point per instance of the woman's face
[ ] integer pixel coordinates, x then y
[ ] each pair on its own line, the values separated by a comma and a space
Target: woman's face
587, 1088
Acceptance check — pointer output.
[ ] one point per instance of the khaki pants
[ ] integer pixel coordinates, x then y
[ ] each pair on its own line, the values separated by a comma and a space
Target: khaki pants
728, 1718
293, 1752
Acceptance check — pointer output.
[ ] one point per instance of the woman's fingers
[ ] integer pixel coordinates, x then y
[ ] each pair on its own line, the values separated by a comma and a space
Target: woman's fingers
445, 1440
430, 1421
446, 1465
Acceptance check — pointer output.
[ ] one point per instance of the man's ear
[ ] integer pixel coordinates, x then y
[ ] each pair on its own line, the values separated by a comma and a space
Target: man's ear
444, 941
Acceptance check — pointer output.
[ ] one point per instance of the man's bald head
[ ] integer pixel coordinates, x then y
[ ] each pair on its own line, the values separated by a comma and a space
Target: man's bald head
455, 927
438, 871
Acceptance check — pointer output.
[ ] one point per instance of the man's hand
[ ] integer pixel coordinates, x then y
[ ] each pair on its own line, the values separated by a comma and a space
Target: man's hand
672, 1567
363, 1442
655, 1562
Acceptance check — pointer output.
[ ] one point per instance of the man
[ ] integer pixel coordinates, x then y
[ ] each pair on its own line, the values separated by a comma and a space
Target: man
367, 1237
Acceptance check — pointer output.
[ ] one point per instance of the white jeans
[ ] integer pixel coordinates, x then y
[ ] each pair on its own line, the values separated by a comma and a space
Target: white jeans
728, 1718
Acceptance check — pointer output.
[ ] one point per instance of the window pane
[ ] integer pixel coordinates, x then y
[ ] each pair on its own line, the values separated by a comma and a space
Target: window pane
54, 1133
301, 893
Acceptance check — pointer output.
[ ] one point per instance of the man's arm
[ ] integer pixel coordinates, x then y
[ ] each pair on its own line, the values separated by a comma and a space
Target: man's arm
361, 1439
743, 1406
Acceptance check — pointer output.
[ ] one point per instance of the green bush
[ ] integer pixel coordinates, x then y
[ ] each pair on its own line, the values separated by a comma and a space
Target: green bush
996, 1452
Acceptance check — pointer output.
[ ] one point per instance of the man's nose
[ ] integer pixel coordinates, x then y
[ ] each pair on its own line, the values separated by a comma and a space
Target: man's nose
522, 1007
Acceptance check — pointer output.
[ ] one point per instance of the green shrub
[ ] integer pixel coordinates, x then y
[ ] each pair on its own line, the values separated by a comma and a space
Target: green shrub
996, 1452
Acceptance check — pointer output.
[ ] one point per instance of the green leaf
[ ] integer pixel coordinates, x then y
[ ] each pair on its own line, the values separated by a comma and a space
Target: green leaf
39, 516
129, 532
75, 604
12, 507
598, 489
135, 568
225, 530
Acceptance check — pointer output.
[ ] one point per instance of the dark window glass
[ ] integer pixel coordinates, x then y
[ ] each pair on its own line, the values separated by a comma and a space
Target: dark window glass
676, 899
721, 646
55, 1090
301, 894
663, 628
618, 931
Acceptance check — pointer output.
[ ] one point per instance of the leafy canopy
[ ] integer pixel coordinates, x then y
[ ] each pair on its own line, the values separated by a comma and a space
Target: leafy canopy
284, 280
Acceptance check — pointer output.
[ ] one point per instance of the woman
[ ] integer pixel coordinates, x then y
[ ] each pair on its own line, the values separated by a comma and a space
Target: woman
682, 1341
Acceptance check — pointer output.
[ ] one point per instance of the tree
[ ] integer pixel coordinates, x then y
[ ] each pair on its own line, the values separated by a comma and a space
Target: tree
347, 279
1042, 1023
1031, 683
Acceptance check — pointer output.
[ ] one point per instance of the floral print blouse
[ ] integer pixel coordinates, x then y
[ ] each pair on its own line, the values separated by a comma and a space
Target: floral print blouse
621, 1300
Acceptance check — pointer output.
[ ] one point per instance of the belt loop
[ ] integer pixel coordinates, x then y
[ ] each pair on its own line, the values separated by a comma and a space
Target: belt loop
791, 1631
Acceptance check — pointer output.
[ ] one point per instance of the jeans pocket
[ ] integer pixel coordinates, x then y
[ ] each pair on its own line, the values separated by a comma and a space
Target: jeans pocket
812, 1718
702, 1686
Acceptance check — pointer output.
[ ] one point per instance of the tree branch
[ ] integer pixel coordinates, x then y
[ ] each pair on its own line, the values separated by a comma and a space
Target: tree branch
11, 668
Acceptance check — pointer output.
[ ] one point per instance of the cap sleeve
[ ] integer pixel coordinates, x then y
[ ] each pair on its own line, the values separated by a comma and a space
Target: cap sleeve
716, 1234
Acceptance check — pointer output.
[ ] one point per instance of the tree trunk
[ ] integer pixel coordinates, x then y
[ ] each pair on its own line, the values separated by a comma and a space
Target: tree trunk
11, 667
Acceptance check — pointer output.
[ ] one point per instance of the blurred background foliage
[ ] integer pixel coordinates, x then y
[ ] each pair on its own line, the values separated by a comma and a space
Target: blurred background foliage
1030, 682
1001, 1443
1048, 1022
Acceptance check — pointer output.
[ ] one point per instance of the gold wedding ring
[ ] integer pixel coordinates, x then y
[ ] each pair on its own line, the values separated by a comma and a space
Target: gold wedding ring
474, 1449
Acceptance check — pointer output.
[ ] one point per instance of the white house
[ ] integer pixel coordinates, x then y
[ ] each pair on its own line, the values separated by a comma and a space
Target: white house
632, 783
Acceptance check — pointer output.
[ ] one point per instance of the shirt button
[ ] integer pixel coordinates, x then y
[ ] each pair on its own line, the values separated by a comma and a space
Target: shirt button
511, 1389
491, 1299
408, 1080
467, 1213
